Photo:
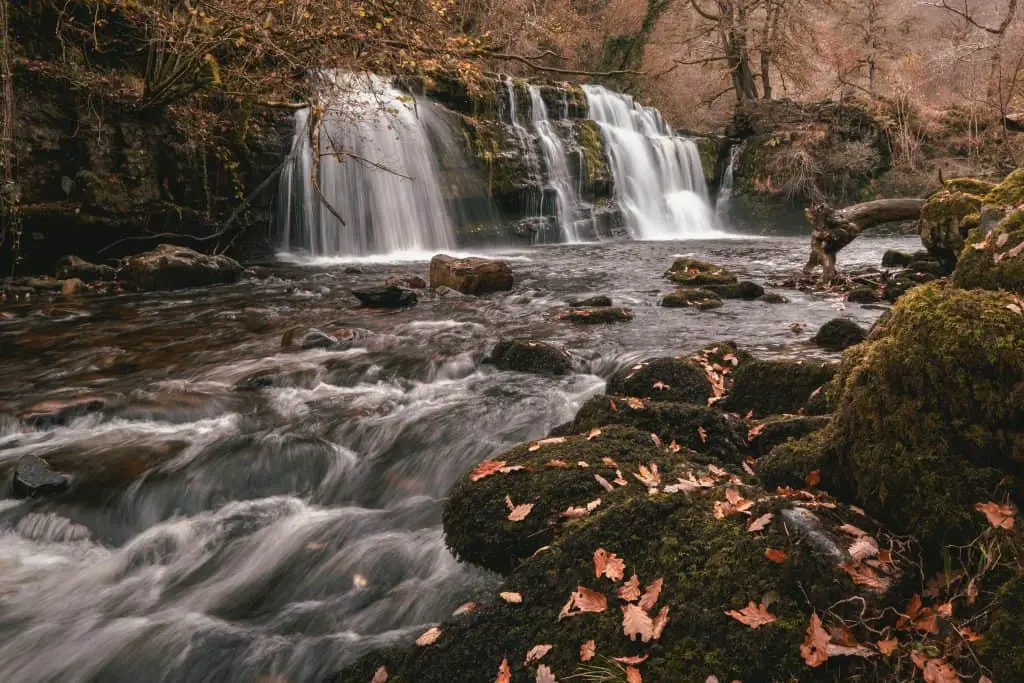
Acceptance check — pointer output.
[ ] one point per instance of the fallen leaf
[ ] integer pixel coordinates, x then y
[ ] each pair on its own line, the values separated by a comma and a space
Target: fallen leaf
518, 513
738, 501
935, 670
594, 433
608, 564
637, 623
618, 480
486, 469
630, 590
813, 479
945, 609
999, 516
582, 464
504, 673
429, 636
588, 650
651, 594
862, 575
887, 647
748, 467
656, 440
560, 464
605, 484
753, 615
852, 530
536, 653
649, 476
674, 447
635, 403
633, 675
583, 600
776, 556
512, 598
637, 659
614, 408
465, 608
660, 621
660, 386
381, 676
761, 523
815, 646
545, 674
703, 434
864, 548
970, 635
717, 471
575, 512
755, 432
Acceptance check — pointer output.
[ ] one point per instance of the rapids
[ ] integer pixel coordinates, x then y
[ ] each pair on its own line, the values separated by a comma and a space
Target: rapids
285, 531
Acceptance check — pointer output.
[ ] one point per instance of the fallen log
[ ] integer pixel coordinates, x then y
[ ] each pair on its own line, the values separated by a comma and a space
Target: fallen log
833, 229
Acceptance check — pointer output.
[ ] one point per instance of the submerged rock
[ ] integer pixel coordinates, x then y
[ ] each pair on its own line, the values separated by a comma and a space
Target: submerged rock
73, 267
34, 477
305, 339
839, 334
898, 259
664, 379
746, 290
689, 297
529, 355
600, 301
389, 296
305, 378
470, 275
775, 387
773, 298
171, 267
693, 273
59, 412
863, 295
598, 316
407, 281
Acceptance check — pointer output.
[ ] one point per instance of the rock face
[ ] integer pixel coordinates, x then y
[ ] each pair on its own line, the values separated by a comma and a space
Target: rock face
171, 267
75, 267
693, 273
692, 297
389, 296
34, 477
470, 275
664, 379
528, 355
994, 260
946, 220
839, 334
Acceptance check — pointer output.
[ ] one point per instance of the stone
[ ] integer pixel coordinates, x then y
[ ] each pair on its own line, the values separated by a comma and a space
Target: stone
303, 378
994, 260
389, 296
530, 355
945, 222
72, 286
33, 477
688, 297
448, 293
74, 267
470, 275
171, 267
315, 339
59, 412
598, 316
693, 273
600, 301
745, 290
406, 281
352, 270
863, 295
773, 298
774, 387
663, 379
839, 334
778, 430
257, 320
897, 259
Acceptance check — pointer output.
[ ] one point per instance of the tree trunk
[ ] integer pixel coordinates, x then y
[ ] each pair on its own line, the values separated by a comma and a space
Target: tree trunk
833, 229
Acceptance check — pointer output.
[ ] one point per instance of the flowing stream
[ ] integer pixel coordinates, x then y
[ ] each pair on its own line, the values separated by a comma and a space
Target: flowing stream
226, 530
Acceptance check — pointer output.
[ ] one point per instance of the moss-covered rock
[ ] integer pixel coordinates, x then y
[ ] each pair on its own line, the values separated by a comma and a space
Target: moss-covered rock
705, 430
692, 273
839, 334
945, 222
775, 387
665, 379
778, 430
1000, 648
978, 188
994, 260
597, 174
692, 297
598, 316
792, 462
1008, 193
530, 355
746, 290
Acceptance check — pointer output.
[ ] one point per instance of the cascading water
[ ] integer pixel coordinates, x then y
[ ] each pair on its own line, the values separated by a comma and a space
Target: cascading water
659, 180
728, 178
377, 169
559, 179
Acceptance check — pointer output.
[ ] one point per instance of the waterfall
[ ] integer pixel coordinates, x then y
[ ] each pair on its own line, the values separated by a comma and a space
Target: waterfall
377, 169
556, 161
659, 180
725, 191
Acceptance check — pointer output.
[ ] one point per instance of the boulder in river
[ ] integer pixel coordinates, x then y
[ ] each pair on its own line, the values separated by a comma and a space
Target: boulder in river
389, 296
692, 273
663, 379
172, 267
305, 339
470, 275
839, 334
898, 259
530, 355
406, 281
33, 477
775, 387
600, 301
74, 267
692, 297
598, 316
746, 290
773, 298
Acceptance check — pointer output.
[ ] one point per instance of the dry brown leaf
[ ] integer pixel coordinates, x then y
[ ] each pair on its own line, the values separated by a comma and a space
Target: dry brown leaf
945, 609
636, 659
429, 636
611, 463
852, 530
887, 647
465, 608
753, 615
660, 386
594, 433
518, 513
970, 635
935, 670
815, 647
630, 590
754, 432
651, 594
703, 434
560, 464
761, 523
660, 621
504, 673
511, 598
536, 653
674, 447
635, 403
575, 513
863, 548
583, 600
636, 623
380, 676
649, 476
748, 467
605, 484
738, 501
609, 564
776, 556
614, 408
813, 479
619, 480
717, 471
862, 575
656, 440
588, 650
999, 516
486, 469
582, 464
545, 674
633, 675
835, 650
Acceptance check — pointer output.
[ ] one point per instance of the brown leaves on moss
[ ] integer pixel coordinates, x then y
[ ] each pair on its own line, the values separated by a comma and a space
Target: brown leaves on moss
999, 516
517, 513
536, 653
545, 674
511, 598
588, 650
753, 615
608, 564
815, 646
491, 467
583, 600
504, 673
380, 676
429, 637
636, 623
761, 523
630, 590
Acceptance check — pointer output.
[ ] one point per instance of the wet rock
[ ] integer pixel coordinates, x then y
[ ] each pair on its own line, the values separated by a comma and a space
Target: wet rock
59, 412
33, 477
470, 275
406, 281
598, 316
693, 273
773, 298
994, 260
448, 293
863, 295
775, 387
529, 355
839, 334
389, 296
745, 290
305, 339
259, 320
593, 302
778, 430
946, 220
928, 267
72, 286
304, 378
663, 379
73, 267
898, 259
171, 267
352, 270
259, 272
701, 299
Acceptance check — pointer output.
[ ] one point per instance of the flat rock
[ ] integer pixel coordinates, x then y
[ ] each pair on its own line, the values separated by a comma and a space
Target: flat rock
470, 275
34, 477
389, 296
598, 316
171, 267
690, 297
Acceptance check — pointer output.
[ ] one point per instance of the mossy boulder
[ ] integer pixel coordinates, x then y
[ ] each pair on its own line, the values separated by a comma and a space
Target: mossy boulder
665, 379
692, 273
978, 188
598, 316
792, 462
839, 334
781, 429
994, 260
173, 267
530, 355
945, 222
1008, 193
745, 290
775, 387
692, 297
709, 432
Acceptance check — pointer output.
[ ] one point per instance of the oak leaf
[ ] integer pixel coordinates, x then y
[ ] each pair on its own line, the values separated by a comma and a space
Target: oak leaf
753, 615
512, 598
630, 590
649, 476
862, 575
583, 600
486, 469
815, 646
999, 516
660, 621
608, 564
651, 594
588, 650
517, 513
637, 623
761, 523
429, 637
504, 673
536, 653
545, 674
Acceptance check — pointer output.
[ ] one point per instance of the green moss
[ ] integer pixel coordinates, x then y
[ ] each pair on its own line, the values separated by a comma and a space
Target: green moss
709, 149
1008, 193
775, 387
595, 162
946, 220
529, 355
784, 429
665, 379
489, 143
694, 273
790, 463
994, 261
692, 297
1000, 649
973, 186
